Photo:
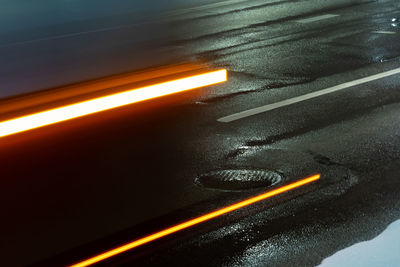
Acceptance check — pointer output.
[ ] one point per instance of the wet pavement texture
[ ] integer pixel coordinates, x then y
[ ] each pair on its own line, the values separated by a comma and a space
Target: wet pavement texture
72, 190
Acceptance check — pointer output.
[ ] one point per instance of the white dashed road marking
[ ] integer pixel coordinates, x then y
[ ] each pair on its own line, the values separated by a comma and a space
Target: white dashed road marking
384, 32
317, 18
301, 98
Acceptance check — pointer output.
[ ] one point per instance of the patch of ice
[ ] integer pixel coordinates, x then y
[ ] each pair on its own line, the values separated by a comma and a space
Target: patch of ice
383, 250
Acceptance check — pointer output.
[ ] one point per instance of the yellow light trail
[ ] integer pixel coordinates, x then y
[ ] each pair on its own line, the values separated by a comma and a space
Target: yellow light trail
192, 222
76, 110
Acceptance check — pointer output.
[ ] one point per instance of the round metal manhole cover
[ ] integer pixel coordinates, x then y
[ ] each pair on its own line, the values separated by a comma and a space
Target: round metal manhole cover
238, 179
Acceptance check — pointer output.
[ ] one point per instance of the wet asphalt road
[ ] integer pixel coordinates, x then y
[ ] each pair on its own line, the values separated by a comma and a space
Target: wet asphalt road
91, 184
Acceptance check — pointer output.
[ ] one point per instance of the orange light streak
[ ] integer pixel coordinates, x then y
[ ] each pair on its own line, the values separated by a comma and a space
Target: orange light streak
59, 114
195, 221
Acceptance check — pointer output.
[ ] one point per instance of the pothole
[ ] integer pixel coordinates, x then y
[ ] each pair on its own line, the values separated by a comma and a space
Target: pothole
239, 179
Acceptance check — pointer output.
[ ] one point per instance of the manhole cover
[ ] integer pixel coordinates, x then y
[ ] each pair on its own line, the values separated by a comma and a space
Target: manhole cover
238, 179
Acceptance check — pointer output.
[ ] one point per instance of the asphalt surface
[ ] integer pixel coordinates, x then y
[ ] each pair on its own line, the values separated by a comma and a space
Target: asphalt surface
73, 190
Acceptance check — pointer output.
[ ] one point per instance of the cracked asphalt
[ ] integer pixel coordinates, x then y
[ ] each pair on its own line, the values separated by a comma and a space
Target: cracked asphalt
88, 185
